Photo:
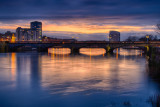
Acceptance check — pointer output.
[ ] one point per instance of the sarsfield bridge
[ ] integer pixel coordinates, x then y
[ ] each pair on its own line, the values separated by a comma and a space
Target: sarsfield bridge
76, 46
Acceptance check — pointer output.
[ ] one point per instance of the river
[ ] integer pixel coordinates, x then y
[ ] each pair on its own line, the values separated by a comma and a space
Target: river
91, 79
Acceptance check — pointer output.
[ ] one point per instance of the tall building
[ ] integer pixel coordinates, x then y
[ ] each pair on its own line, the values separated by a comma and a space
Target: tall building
18, 33
114, 36
38, 27
30, 34
22, 34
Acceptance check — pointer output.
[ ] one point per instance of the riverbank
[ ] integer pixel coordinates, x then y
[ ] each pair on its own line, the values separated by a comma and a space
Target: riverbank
154, 63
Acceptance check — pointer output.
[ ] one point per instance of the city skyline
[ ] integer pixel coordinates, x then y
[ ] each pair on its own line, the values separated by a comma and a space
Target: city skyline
82, 36
83, 31
85, 18
34, 33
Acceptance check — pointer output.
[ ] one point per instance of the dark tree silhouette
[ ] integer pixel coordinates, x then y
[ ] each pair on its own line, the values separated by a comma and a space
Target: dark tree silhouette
158, 28
151, 38
132, 38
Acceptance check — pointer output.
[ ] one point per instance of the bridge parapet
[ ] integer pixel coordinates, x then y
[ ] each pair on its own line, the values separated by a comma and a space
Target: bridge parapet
75, 47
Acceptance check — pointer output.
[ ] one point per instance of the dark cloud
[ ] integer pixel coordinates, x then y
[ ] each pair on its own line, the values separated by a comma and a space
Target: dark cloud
82, 8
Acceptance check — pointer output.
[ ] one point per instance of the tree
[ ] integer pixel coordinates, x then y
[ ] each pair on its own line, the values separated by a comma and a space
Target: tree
143, 38
151, 37
132, 38
155, 38
158, 28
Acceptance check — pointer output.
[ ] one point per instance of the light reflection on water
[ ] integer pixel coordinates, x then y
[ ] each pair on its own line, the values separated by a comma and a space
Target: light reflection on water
89, 79
92, 51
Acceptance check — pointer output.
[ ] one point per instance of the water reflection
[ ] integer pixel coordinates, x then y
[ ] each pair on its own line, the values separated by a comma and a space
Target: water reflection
83, 74
130, 52
28, 70
58, 51
117, 53
89, 79
92, 51
13, 66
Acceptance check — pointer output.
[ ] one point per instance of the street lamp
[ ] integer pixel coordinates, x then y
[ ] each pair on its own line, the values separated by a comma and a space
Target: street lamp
147, 38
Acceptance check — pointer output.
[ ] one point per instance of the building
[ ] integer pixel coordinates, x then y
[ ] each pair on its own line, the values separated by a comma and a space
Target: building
22, 34
114, 36
18, 33
34, 33
37, 26
7, 36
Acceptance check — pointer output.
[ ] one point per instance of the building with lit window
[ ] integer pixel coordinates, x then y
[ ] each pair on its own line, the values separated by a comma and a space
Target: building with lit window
30, 34
7, 36
114, 36
37, 26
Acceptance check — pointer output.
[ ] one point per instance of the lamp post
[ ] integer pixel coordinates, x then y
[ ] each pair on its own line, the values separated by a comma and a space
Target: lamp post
147, 38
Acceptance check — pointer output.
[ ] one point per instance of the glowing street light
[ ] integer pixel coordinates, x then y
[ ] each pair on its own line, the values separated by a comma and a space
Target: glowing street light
147, 38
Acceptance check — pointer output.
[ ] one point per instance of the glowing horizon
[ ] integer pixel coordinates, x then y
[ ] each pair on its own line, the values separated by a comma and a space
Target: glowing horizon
82, 28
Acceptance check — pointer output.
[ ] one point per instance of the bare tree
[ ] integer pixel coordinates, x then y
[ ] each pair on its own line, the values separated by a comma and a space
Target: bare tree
132, 38
158, 28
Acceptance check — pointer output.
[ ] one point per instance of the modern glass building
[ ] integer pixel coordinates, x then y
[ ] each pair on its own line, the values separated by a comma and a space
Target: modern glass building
114, 36
37, 26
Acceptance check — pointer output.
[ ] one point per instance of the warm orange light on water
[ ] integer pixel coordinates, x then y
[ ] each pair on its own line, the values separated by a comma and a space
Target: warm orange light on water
117, 53
13, 65
92, 51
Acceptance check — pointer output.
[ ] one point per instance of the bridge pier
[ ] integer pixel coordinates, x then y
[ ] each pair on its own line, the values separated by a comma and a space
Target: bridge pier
109, 49
3, 47
75, 50
146, 50
39, 49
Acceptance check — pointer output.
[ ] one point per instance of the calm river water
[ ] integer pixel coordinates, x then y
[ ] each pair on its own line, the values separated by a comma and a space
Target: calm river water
92, 79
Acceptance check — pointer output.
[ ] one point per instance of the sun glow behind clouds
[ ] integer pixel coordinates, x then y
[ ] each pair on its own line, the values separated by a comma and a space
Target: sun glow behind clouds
80, 27
89, 29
